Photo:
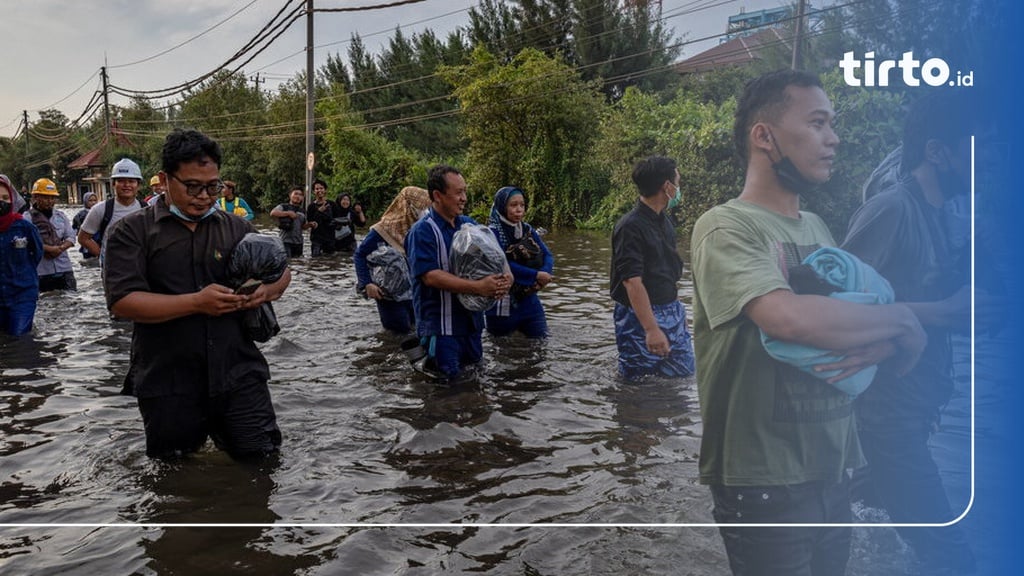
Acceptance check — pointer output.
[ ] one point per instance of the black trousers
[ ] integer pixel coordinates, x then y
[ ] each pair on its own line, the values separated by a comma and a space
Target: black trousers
241, 422
902, 476
777, 551
60, 281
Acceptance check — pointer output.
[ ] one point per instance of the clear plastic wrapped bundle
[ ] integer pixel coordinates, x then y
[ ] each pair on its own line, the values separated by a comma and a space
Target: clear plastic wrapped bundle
390, 271
475, 254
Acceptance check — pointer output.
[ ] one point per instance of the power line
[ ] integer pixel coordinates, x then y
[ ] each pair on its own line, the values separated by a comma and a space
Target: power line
175, 47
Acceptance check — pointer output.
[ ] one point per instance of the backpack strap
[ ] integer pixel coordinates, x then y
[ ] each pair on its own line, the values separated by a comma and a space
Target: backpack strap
108, 215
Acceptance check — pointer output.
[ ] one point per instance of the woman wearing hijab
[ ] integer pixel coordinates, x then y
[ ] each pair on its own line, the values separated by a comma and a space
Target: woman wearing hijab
389, 233
353, 215
88, 201
531, 263
21, 249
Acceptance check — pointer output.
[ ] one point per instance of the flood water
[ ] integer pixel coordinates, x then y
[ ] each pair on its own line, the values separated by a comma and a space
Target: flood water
547, 434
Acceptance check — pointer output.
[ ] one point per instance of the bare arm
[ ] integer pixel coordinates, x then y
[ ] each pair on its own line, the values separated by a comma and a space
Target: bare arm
85, 239
495, 285
832, 324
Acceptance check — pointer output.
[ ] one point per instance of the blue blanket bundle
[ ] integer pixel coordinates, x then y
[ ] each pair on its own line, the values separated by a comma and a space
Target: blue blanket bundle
853, 281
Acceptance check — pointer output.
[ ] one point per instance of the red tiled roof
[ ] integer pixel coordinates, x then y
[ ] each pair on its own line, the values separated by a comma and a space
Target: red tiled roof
92, 158
736, 51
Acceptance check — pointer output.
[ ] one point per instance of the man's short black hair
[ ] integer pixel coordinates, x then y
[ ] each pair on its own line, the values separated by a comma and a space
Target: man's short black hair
764, 99
436, 178
295, 187
183, 146
650, 173
320, 182
943, 116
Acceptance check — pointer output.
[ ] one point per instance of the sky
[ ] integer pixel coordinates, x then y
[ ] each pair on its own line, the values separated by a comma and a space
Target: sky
55, 48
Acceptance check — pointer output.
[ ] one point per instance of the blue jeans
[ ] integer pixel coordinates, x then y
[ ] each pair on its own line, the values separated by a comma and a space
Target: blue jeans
773, 551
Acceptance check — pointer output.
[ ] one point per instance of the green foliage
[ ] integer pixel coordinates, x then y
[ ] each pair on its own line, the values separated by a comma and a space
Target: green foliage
363, 162
280, 162
228, 110
697, 135
530, 122
399, 92
618, 44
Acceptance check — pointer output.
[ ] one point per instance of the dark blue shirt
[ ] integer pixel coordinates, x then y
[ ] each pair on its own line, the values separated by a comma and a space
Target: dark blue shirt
21, 249
438, 312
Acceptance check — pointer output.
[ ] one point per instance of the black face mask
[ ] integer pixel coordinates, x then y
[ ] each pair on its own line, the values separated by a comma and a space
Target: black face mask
788, 174
950, 182
791, 178
5, 207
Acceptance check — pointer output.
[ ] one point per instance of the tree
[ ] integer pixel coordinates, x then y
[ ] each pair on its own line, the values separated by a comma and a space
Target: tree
280, 156
362, 161
400, 92
530, 122
227, 109
618, 43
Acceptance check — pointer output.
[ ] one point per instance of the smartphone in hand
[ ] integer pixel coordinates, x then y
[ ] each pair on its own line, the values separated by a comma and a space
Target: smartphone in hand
248, 287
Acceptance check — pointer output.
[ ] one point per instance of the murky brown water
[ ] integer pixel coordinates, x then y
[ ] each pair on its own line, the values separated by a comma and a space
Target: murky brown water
548, 435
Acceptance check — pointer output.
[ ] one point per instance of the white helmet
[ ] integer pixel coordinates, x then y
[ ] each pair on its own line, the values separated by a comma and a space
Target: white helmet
125, 168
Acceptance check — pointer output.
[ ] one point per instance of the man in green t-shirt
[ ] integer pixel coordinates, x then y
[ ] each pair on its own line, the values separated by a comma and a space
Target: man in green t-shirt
777, 442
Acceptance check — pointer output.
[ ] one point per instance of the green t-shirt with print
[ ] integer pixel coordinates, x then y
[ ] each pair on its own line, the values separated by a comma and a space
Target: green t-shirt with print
765, 423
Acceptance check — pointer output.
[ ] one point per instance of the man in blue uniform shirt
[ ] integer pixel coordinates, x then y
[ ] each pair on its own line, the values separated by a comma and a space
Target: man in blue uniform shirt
451, 333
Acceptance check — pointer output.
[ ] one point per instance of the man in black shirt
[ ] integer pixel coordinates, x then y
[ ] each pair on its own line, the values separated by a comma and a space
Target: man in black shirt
193, 368
903, 233
650, 322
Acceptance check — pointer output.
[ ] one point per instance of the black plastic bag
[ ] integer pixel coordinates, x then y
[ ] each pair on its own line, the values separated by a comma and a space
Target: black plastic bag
261, 323
263, 258
257, 256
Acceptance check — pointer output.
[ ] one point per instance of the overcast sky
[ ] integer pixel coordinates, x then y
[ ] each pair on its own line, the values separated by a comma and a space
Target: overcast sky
54, 49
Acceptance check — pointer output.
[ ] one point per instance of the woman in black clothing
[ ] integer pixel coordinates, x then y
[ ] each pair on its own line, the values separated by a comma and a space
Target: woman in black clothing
349, 217
323, 212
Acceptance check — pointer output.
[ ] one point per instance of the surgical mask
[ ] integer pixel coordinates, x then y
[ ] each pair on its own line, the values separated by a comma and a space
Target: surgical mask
177, 212
675, 200
5, 207
788, 174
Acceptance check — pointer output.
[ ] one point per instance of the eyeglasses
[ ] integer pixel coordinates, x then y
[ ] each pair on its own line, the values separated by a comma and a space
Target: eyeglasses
194, 189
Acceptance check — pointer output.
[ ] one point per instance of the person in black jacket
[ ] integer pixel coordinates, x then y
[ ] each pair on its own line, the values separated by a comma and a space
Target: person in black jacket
323, 212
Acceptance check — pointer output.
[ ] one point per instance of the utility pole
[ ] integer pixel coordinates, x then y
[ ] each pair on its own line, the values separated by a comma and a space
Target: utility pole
798, 38
256, 81
310, 158
24, 118
106, 101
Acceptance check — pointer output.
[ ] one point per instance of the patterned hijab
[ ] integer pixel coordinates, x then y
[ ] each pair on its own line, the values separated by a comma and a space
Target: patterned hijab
403, 212
507, 232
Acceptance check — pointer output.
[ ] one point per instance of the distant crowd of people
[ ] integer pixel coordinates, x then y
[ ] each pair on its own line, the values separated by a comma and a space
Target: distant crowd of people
779, 437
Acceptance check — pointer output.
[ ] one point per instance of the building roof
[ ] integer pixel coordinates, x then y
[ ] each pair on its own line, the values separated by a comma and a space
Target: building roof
94, 157
742, 50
